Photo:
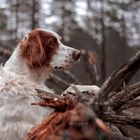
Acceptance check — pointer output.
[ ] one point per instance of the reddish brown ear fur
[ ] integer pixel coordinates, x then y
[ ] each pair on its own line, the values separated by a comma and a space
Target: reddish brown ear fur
32, 51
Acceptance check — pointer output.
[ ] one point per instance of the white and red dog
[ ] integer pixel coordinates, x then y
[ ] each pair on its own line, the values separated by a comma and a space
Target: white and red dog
39, 53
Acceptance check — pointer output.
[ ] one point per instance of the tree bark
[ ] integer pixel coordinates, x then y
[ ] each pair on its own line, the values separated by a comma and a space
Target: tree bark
122, 75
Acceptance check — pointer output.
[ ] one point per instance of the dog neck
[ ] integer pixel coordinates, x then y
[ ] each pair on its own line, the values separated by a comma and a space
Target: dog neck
17, 65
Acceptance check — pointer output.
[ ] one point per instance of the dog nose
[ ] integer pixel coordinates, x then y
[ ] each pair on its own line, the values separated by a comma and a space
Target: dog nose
76, 55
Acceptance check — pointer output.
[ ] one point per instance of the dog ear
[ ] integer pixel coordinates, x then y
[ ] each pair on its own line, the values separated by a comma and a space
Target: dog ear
32, 51
27, 36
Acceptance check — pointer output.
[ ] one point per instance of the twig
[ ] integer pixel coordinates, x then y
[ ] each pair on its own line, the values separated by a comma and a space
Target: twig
120, 119
132, 104
46, 95
59, 104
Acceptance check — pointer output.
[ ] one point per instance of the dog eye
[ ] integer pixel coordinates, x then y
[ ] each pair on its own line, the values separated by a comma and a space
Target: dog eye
53, 42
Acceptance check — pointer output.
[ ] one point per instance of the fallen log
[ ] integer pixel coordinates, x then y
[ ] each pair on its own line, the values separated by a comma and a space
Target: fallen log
75, 119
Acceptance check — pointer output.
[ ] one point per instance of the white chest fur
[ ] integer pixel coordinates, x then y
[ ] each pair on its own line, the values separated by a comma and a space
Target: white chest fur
17, 115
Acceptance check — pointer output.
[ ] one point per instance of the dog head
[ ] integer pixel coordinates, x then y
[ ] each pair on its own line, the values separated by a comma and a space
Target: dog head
42, 47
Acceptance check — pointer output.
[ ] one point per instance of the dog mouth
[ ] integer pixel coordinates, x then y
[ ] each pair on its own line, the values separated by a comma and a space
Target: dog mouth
58, 67
68, 66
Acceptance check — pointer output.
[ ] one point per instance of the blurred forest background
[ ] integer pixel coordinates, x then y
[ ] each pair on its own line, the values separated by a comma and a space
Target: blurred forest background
106, 31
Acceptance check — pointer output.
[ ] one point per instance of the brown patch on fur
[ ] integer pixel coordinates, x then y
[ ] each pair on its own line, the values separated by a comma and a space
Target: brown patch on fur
38, 48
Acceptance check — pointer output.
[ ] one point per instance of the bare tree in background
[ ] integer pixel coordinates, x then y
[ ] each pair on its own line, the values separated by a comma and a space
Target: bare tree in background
16, 18
103, 44
65, 11
34, 12
95, 25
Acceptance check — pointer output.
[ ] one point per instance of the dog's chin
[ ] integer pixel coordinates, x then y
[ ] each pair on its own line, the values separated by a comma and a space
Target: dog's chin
65, 66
